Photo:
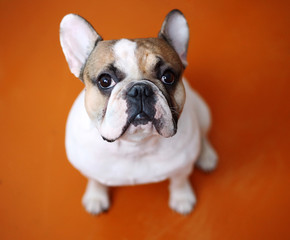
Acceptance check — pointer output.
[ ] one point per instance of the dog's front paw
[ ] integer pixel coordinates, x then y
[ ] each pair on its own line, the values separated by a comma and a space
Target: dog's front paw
95, 204
95, 199
182, 199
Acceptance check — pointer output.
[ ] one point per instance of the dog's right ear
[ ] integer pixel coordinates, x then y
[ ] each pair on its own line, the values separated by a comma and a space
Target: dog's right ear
77, 38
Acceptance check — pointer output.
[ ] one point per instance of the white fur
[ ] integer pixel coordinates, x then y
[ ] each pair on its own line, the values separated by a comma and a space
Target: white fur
125, 58
115, 118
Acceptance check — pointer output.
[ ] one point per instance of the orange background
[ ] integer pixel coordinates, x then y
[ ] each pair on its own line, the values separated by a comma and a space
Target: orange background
238, 60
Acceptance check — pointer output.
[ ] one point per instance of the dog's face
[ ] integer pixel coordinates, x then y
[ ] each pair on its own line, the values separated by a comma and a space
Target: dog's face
134, 86
137, 83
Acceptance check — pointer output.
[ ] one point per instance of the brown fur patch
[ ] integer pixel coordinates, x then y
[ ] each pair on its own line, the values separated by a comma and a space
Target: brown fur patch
148, 52
157, 47
100, 58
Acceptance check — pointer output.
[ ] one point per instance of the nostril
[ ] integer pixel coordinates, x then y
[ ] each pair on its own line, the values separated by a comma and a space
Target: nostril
133, 92
148, 92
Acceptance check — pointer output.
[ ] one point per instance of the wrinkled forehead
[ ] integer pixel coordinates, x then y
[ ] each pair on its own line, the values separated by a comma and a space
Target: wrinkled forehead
133, 57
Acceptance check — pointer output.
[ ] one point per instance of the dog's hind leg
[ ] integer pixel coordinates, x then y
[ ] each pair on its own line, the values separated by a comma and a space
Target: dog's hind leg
208, 158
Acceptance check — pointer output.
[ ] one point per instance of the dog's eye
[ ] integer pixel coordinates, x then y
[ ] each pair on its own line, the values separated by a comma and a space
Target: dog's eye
168, 77
106, 81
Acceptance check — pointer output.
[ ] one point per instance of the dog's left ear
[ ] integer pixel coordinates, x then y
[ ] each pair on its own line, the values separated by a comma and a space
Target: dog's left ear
176, 32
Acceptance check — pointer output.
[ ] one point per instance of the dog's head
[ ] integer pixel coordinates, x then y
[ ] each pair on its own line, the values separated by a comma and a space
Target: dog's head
132, 86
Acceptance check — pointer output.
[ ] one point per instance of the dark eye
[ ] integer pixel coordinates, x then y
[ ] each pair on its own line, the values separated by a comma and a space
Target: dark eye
106, 81
168, 77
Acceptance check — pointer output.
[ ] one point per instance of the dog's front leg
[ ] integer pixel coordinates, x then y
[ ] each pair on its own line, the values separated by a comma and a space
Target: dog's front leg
96, 197
182, 198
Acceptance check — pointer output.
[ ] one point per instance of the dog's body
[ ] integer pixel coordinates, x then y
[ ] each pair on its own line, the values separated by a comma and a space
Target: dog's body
137, 121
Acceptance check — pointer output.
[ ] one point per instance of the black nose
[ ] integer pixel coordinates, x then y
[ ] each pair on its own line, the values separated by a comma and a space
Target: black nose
140, 91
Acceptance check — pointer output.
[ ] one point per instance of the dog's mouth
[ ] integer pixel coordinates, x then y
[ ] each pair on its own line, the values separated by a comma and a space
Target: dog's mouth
138, 119
139, 127
141, 118
142, 124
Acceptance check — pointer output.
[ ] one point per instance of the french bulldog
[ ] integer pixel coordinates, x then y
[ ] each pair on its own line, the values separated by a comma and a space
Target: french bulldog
137, 120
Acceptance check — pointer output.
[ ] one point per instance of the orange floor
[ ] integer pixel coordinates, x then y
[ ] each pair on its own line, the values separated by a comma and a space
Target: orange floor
238, 60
